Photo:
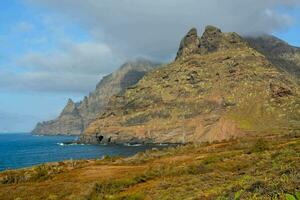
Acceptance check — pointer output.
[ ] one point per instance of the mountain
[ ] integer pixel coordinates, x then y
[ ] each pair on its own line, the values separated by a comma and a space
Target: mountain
279, 52
217, 88
76, 116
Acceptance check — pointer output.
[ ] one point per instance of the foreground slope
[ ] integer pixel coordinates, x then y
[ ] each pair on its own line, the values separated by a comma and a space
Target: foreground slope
76, 116
250, 168
217, 88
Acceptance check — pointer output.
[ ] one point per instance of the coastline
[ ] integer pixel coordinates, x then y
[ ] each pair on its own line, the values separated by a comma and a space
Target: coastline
217, 169
25, 150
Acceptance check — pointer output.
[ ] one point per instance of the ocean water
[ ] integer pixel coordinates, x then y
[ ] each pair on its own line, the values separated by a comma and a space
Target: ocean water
23, 150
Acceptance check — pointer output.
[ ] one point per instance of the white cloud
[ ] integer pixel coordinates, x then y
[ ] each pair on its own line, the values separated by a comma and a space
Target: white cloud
77, 58
48, 82
73, 67
123, 29
155, 27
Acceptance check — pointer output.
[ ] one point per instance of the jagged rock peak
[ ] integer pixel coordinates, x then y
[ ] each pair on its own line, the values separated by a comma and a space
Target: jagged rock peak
70, 102
212, 30
212, 40
189, 44
70, 108
192, 32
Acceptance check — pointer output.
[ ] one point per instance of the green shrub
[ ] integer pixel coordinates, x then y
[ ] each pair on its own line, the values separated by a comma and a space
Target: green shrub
259, 146
41, 173
290, 197
297, 195
197, 169
211, 159
237, 195
111, 187
10, 179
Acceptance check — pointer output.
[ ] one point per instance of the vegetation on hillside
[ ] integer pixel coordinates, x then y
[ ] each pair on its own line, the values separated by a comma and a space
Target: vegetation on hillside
218, 88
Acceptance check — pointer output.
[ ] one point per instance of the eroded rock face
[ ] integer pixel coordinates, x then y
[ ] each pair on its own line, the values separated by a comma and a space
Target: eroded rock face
76, 116
217, 88
279, 91
69, 122
189, 44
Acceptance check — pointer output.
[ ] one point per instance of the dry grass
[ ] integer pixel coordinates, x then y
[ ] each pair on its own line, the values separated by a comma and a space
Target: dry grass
252, 168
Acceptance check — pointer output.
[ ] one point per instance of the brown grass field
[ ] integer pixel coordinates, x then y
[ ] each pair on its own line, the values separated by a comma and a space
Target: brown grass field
250, 168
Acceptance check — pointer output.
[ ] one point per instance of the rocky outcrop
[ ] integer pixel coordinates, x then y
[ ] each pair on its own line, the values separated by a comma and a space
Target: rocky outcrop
279, 52
189, 44
217, 88
76, 116
212, 40
69, 122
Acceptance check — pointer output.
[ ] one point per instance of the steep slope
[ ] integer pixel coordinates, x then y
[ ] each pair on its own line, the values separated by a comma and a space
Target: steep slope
280, 53
68, 122
75, 117
217, 88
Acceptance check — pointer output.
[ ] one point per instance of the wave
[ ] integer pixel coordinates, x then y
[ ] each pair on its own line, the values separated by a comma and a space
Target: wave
70, 144
132, 145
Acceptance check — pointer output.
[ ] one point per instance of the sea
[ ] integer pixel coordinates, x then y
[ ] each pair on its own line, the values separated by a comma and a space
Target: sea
20, 150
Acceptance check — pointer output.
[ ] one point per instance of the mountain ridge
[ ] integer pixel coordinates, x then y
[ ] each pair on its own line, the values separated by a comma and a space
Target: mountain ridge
76, 116
286, 57
282, 55
217, 88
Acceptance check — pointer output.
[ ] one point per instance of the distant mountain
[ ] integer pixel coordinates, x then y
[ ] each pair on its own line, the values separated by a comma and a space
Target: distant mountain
218, 88
75, 117
279, 52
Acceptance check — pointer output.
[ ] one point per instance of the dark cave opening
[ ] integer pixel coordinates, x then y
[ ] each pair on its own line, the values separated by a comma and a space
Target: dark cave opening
99, 138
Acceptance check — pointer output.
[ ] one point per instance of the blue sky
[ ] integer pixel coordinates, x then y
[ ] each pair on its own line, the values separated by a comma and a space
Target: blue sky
292, 35
52, 50
23, 30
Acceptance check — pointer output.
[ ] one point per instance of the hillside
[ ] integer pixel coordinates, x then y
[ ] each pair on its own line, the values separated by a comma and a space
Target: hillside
280, 53
76, 116
217, 88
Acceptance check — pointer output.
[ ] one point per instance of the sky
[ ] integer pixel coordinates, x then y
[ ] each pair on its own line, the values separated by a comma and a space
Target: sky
52, 50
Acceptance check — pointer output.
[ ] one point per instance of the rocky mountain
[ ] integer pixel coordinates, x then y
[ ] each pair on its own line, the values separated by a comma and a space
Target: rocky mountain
279, 52
76, 116
218, 88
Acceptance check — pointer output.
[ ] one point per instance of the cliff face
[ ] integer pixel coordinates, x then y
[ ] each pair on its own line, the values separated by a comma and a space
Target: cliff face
76, 116
217, 88
280, 53
68, 122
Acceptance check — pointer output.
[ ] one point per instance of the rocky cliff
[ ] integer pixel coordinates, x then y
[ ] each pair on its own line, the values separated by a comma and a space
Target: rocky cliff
76, 116
217, 88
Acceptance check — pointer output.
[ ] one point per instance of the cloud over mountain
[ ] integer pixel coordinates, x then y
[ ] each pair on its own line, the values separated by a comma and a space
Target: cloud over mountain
75, 67
120, 30
153, 28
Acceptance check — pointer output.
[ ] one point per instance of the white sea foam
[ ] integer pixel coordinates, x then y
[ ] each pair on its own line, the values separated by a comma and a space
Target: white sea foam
68, 144
132, 145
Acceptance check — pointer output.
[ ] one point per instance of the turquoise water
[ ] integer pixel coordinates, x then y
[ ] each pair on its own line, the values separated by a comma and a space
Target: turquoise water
23, 150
